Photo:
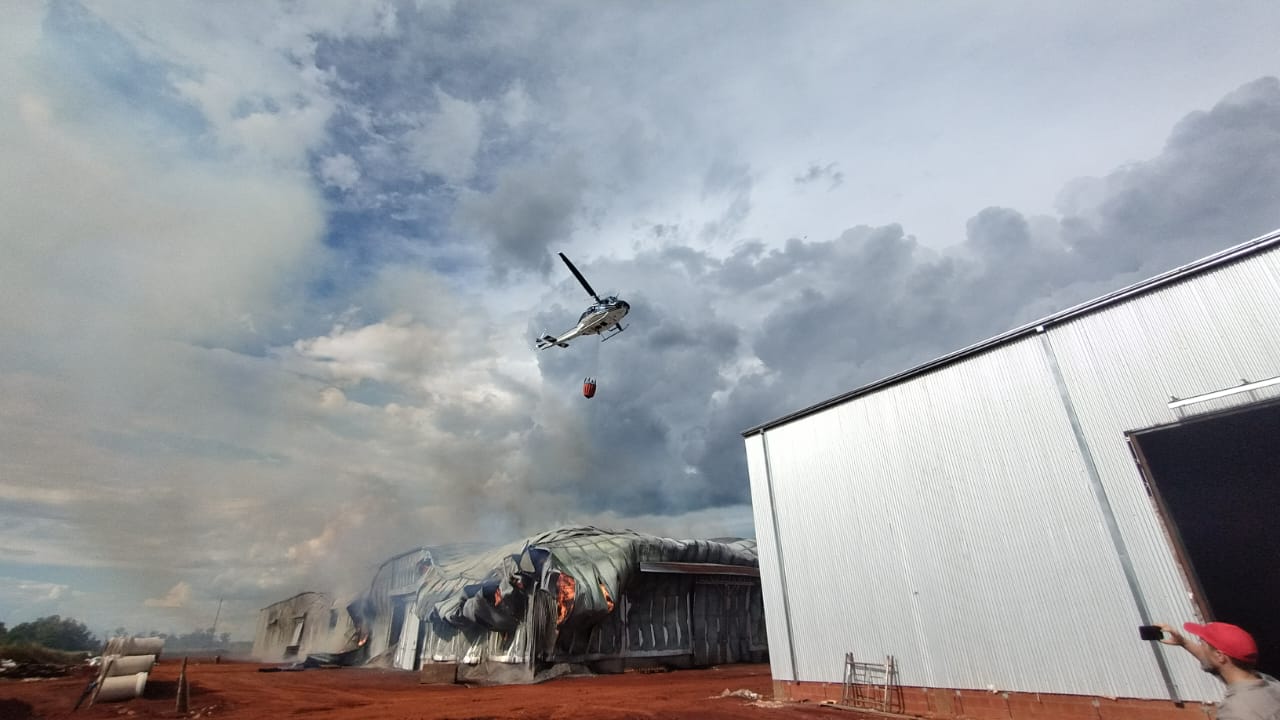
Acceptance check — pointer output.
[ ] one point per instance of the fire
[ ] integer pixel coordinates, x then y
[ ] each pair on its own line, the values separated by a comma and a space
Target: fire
608, 601
497, 597
566, 591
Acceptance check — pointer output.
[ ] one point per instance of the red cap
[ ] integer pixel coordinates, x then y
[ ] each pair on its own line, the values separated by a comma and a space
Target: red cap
1228, 639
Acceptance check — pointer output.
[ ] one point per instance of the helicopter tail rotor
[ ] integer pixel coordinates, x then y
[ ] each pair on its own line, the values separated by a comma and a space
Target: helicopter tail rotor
547, 341
581, 279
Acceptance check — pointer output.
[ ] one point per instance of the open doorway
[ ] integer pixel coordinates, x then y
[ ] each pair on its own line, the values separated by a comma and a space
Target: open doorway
399, 605
1216, 482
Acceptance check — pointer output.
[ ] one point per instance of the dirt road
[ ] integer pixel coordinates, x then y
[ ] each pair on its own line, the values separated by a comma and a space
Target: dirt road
235, 691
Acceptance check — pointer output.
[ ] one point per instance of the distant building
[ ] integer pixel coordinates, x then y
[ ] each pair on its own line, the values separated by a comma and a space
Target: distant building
1000, 521
576, 597
306, 623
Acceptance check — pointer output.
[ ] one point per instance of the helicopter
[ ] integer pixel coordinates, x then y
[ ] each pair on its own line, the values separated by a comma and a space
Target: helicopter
604, 316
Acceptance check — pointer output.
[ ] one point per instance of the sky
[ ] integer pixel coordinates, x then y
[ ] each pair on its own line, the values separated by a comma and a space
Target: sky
273, 271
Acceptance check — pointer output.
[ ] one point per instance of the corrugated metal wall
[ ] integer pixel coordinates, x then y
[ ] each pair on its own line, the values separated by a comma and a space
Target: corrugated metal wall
954, 521
393, 587
1124, 365
772, 575
279, 623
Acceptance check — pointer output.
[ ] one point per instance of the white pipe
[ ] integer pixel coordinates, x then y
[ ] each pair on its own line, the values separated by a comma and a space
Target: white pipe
123, 687
131, 665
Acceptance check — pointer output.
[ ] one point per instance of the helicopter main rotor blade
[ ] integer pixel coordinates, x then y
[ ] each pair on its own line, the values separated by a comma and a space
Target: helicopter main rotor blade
581, 279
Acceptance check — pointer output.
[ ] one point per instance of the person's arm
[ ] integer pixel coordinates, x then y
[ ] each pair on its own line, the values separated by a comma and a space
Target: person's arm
1173, 637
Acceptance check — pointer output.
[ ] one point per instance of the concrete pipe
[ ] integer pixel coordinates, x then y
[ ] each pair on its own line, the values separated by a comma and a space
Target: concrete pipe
131, 665
135, 646
123, 687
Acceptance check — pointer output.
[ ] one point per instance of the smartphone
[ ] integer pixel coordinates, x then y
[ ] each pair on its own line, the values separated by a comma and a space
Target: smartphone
1150, 632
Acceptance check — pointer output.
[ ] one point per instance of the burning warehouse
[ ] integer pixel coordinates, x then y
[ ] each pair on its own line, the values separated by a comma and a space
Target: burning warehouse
571, 598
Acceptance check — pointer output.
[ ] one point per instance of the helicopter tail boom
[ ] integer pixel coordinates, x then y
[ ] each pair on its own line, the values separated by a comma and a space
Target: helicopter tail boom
547, 341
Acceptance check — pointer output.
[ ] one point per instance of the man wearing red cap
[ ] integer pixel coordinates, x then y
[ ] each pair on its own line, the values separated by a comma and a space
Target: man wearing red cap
1230, 653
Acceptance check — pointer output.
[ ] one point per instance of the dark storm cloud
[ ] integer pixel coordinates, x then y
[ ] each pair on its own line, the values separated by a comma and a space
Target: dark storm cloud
420, 182
718, 338
662, 435
874, 302
1215, 181
532, 206
865, 298
636, 447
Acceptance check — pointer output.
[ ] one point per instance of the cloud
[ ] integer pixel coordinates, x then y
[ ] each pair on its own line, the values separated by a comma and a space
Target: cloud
23, 592
532, 206
835, 314
1216, 172
340, 171
394, 351
260, 93
177, 597
826, 172
875, 301
446, 141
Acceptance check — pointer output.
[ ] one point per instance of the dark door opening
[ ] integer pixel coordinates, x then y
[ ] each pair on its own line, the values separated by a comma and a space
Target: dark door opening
1216, 481
399, 605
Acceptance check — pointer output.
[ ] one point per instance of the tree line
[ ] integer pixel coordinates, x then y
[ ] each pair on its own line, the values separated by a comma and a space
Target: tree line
59, 633
53, 632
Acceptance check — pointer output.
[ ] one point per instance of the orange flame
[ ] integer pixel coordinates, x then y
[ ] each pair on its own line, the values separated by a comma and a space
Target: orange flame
497, 597
566, 591
608, 601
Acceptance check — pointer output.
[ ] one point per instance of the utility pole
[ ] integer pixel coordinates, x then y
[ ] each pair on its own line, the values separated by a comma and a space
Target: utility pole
214, 630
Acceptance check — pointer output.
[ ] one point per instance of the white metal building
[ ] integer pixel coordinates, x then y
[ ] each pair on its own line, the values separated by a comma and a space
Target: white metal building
1003, 518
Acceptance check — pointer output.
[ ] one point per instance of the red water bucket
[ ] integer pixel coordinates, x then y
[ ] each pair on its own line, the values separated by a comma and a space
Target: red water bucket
588, 388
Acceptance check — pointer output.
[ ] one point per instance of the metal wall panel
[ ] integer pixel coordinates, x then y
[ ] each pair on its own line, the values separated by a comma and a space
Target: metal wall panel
951, 509
407, 645
951, 520
1123, 366
775, 611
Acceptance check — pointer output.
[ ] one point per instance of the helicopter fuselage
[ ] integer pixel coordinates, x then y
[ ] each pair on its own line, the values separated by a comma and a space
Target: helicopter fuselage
604, 316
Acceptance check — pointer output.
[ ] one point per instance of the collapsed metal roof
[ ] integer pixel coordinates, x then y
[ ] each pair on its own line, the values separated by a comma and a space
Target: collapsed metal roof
601, 562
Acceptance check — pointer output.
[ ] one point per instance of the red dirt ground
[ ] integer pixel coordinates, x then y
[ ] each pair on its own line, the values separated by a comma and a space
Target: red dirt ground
237, 691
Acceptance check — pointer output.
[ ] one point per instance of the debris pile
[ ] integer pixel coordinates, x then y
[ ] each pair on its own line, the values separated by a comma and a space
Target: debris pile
26, 661
748, 694
13, 670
